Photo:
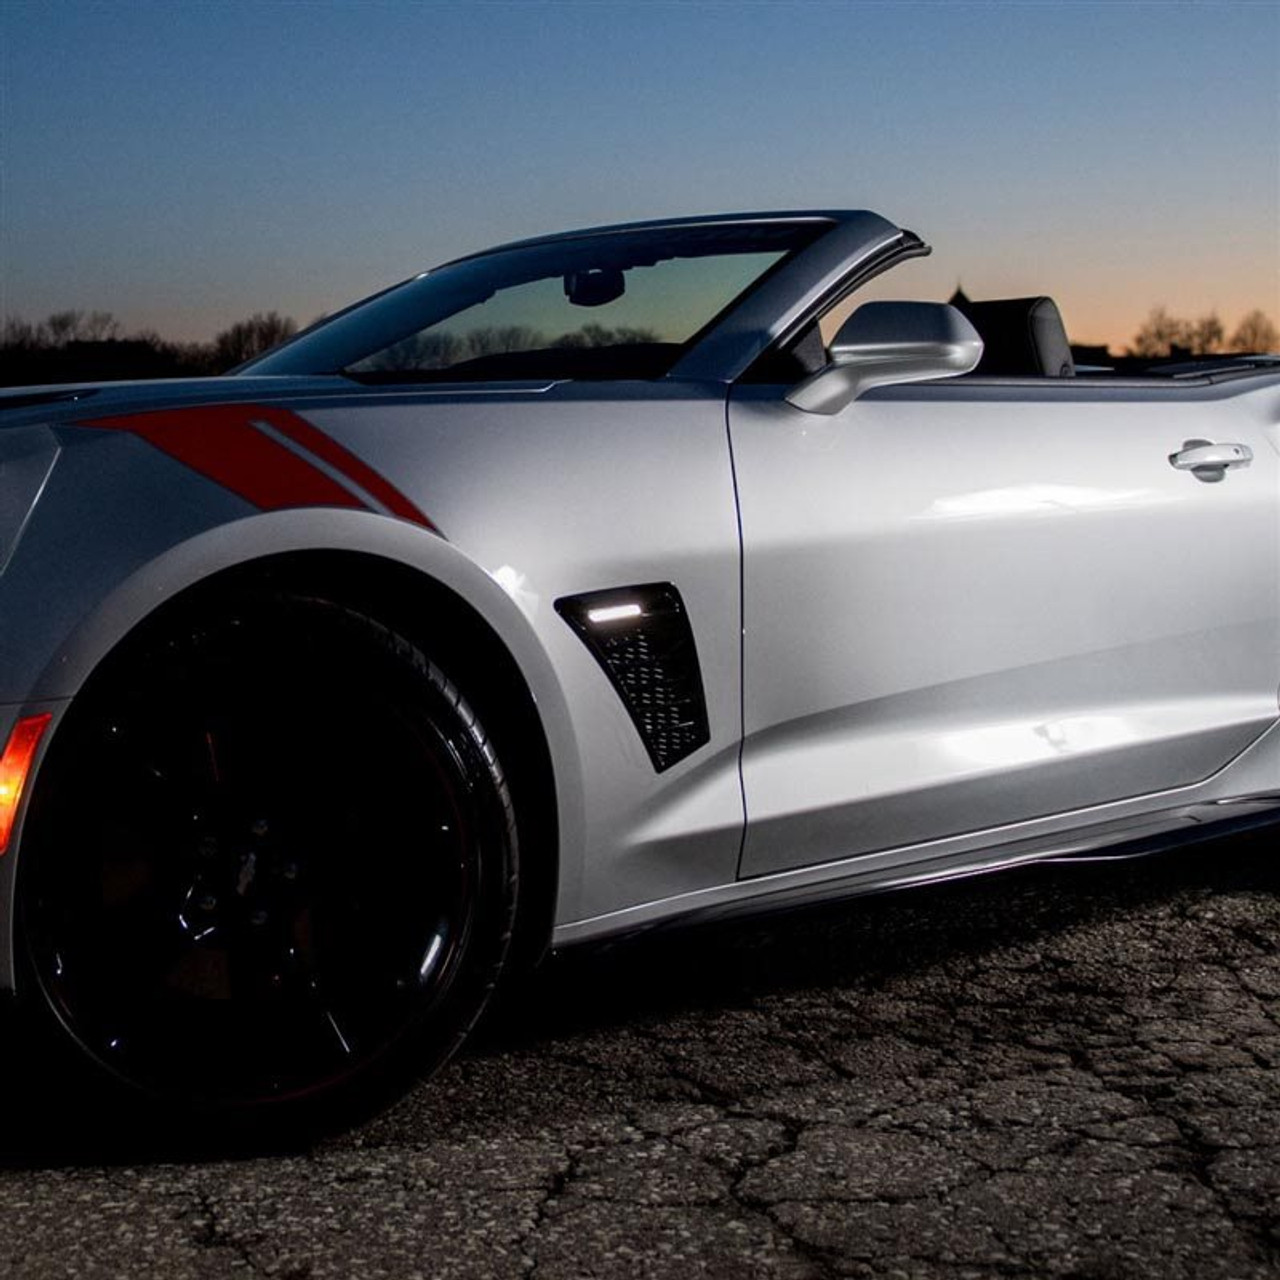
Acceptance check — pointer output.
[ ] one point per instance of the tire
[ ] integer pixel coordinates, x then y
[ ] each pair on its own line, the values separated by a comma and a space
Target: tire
270, 868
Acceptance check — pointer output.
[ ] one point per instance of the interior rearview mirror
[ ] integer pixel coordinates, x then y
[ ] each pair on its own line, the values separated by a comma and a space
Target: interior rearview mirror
885, 343
594, 288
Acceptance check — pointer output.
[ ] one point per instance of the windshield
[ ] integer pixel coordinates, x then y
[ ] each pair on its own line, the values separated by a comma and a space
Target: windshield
608, 305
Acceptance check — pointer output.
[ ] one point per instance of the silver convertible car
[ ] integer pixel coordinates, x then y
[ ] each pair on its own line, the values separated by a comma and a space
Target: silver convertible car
597, 581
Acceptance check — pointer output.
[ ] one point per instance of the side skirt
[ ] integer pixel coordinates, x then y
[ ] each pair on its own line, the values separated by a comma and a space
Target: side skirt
1143, 836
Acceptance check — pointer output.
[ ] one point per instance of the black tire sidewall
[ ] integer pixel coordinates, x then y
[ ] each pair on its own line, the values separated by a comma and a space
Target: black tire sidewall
300, 638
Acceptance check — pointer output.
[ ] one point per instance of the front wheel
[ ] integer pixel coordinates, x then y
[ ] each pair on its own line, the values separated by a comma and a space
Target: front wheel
270, 867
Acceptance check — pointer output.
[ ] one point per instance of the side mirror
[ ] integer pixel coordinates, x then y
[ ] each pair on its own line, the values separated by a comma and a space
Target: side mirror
884, 343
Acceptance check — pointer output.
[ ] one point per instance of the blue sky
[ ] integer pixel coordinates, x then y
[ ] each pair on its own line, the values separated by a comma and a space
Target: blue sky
186, 164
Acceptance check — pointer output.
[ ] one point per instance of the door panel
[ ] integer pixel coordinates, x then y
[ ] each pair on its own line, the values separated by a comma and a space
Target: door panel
964, 610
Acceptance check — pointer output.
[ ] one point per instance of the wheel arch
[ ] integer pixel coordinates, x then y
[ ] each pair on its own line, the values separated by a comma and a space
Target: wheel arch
518, 698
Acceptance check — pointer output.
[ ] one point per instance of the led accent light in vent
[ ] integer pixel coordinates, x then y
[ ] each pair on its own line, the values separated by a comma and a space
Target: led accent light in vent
641, 637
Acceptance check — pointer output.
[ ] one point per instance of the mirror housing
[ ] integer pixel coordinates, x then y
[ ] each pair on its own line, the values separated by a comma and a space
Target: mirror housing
885, 343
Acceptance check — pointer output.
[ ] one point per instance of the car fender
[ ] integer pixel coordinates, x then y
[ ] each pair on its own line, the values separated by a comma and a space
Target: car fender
243, 541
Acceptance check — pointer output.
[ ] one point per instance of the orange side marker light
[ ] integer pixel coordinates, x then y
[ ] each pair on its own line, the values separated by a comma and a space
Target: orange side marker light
14, 765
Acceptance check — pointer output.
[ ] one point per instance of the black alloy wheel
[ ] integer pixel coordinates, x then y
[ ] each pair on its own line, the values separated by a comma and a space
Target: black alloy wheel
270, 868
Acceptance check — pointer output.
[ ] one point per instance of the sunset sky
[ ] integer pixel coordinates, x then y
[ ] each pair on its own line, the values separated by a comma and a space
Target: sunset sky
186, 164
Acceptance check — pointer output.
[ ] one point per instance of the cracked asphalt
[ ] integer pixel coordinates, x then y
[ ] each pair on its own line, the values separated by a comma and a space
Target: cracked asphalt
1061, 1072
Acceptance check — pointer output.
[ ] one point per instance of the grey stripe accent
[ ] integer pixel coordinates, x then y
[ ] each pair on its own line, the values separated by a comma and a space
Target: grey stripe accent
340, 477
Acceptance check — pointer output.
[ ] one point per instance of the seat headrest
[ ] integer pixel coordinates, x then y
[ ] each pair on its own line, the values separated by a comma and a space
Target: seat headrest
1021, 336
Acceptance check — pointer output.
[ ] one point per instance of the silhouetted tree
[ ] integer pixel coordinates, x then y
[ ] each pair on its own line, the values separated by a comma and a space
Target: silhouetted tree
60, 329
64, 327
1206, 335
70, 346
1256, 334
20, 335
435, 349
248, 338
1165, 335
441, 348
599, 335
1160, 334
493, 340
99, 326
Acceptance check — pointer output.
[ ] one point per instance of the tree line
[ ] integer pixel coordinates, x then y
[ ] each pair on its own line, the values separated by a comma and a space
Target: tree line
80, 346
1165, 335
443, 348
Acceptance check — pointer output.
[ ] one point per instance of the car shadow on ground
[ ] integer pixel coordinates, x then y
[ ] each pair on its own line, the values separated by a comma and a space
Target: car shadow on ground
860, 944
863, 941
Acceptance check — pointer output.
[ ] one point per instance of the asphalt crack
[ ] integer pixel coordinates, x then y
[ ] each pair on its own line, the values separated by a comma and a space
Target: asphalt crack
1068, 1076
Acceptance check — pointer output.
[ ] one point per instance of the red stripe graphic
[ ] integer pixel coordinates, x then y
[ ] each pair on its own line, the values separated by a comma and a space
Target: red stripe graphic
300, 431
222, 444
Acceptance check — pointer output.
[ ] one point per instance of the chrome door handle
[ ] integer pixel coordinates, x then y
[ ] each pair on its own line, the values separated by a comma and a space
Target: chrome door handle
1208, 461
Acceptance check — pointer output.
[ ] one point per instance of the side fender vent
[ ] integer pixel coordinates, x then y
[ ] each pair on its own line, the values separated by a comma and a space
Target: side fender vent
642, 638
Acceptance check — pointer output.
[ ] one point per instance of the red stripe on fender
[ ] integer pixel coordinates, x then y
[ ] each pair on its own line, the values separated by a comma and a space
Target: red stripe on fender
221, 443
301, 432
222, 446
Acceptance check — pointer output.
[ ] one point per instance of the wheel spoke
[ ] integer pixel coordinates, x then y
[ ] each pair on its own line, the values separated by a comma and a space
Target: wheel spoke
215, 773
337, 1031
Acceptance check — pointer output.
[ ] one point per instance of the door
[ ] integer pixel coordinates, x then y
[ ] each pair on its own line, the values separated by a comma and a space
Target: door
970, 605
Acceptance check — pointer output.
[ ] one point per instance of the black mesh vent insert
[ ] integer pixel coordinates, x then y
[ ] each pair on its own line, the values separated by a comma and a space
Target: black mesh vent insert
642, 638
